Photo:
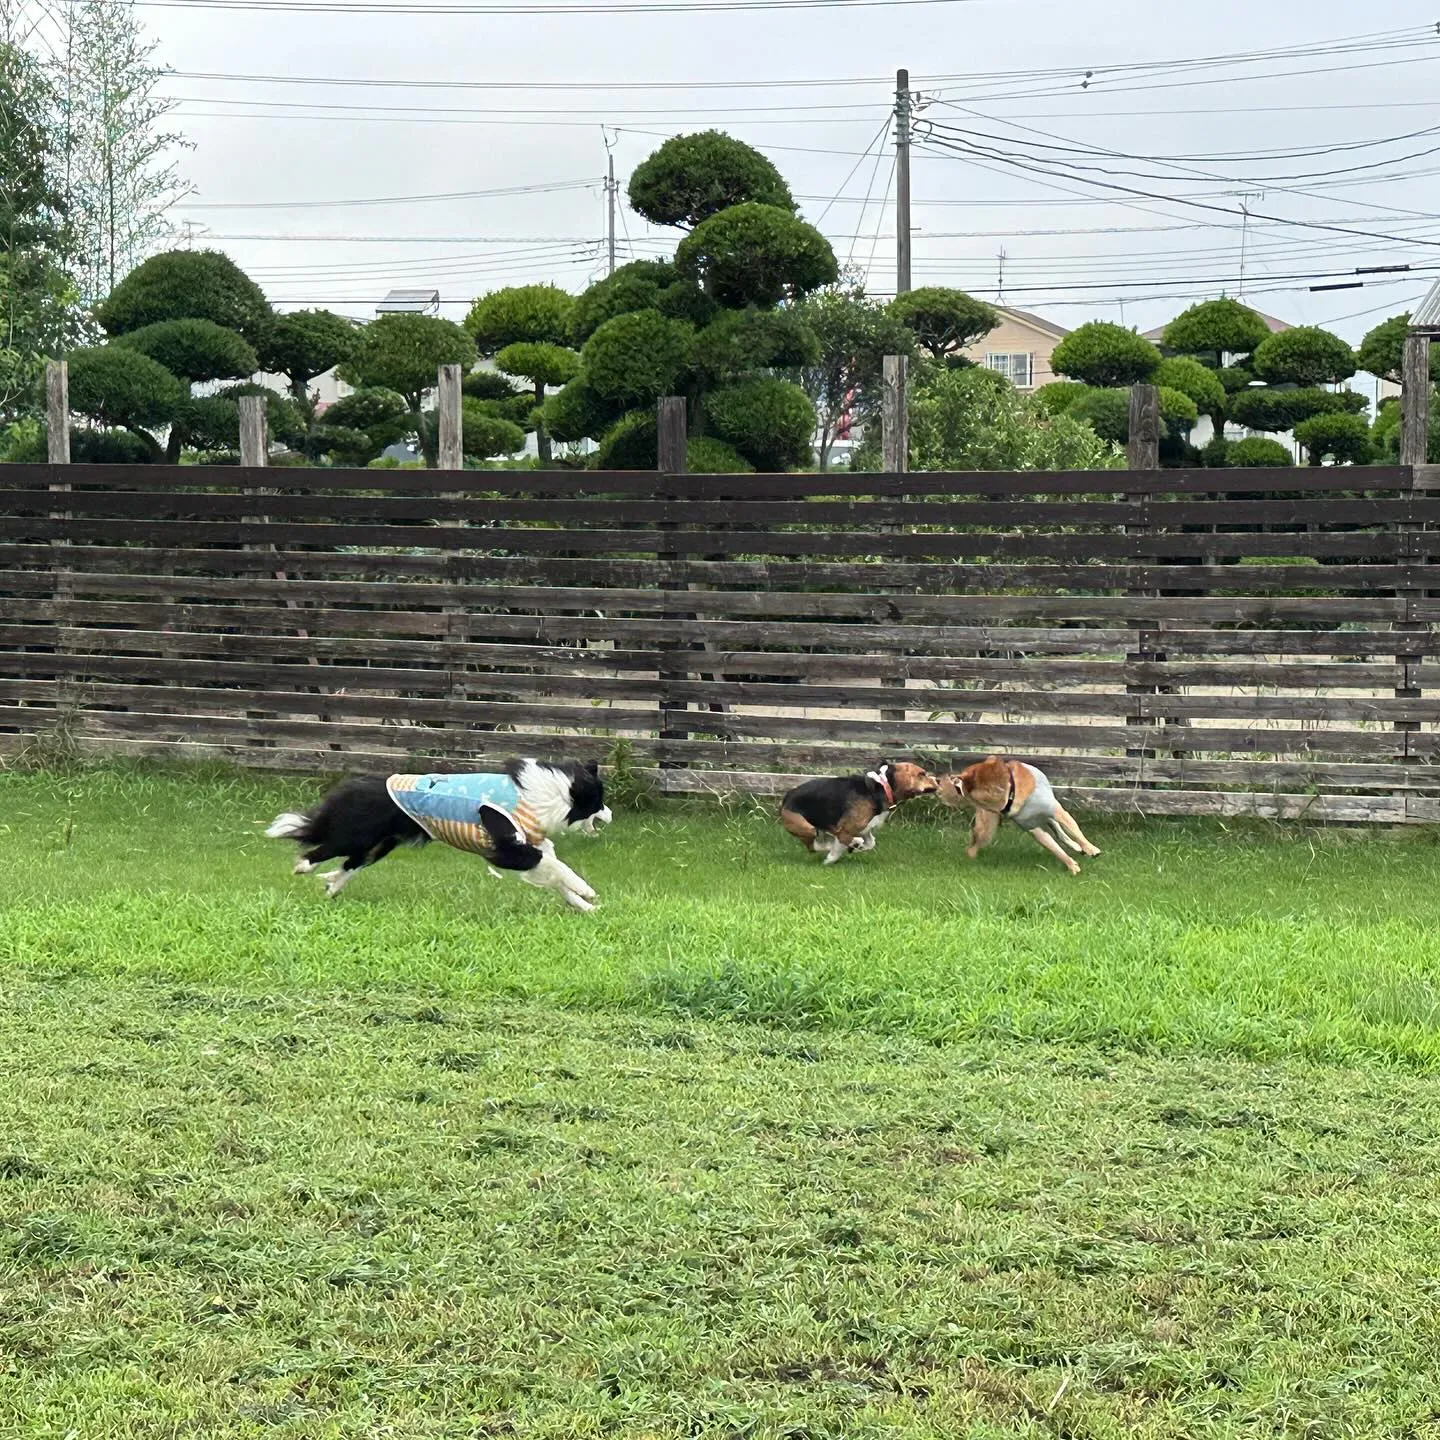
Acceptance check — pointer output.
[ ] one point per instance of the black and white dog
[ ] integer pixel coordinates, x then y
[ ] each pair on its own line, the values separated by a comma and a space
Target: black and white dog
506, 818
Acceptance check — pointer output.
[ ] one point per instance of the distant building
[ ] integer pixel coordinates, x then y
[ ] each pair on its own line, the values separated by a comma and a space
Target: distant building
410, 302
1019, 348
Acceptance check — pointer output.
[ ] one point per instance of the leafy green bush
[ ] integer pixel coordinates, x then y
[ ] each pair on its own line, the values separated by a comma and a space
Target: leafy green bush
1216, 327
1105, 355
1059, 395
186, 285
123, 388
1345, 439
635, 359
1280, 410
943, 321
771, 423
1305, 355
195, 350
692, 177
756, 255
1257, 450
739, 341
1191, 378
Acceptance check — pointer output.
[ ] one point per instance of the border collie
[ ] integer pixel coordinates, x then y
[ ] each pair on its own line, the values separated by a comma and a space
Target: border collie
834, 817
506, 818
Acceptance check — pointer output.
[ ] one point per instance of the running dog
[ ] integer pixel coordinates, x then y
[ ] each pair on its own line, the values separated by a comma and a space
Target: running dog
1001, 789
506, 818
834, 817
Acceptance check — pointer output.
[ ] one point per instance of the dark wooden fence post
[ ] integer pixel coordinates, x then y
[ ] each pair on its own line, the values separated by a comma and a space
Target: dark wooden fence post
1143, 451
895, 416
57, 445
895, 450
1415, 401
254, 439
1414, 447
57, 412
673, 440
451, 441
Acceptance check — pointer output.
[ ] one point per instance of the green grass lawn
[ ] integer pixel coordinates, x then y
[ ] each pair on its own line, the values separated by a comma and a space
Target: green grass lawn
905, 1147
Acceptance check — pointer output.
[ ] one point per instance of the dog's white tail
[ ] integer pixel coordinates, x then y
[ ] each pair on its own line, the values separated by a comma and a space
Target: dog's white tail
286, 827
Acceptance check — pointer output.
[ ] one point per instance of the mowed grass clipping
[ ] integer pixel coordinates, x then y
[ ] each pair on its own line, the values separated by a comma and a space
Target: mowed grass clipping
1197, 937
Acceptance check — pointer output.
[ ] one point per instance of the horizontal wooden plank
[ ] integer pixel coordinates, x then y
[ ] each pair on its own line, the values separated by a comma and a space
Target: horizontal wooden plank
711, 763
878, 734
1315, 809
832, 514
588, 692
145, 562
777, 604
553, 671
572, 482
901, 631
880, 650
1375, 545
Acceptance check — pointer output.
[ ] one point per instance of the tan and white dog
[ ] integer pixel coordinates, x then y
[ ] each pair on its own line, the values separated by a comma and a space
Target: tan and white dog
998, 789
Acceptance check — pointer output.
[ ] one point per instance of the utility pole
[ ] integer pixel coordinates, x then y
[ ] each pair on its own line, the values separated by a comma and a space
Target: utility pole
610, 189
902, 181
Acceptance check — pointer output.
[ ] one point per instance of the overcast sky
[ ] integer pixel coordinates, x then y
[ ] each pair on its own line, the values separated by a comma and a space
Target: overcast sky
261, 145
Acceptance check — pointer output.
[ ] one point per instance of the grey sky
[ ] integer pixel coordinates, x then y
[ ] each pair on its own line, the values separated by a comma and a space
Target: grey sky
273, 148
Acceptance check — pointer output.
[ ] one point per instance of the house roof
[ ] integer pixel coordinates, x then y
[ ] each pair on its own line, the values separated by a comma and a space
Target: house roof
1276, 326
1036, 322
409, 302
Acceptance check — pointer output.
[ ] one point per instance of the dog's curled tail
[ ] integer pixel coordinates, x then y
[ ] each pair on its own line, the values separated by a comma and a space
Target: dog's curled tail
288, 827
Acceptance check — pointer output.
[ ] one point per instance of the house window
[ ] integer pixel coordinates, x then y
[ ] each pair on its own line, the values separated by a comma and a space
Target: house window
1017, 369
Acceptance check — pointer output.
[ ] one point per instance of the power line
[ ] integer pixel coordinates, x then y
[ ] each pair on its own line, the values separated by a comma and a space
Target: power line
558, 186
1346, 45
606, 7
1171, 199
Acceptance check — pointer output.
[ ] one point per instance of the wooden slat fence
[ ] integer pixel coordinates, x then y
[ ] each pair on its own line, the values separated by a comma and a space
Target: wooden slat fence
1174, 641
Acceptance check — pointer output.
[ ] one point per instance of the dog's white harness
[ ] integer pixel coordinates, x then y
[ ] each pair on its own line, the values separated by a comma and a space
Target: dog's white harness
1040, 807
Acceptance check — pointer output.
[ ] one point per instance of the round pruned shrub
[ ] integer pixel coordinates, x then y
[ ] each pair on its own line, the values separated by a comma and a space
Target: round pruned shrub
769, 422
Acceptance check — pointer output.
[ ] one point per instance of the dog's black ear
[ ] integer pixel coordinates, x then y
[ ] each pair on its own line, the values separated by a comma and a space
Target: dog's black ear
593, 766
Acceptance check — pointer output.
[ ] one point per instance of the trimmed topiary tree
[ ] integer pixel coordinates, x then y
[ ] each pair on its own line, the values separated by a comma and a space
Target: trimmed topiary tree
195, 351
356, 428
692, 177
124, 390
635, 359
526, 330
1382, 351
770, 422
1344, 439
1105, 355
1191, 378
1257, 450
1216, 328
403, 354
1305, 355
303, 345
1283, 409
185, 285
944, 322
756, 254
738, 342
